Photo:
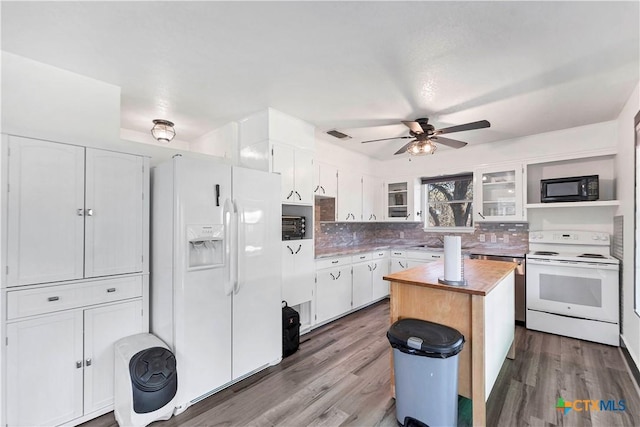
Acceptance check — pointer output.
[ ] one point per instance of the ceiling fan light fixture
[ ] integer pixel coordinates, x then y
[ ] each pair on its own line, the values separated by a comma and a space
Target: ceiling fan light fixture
163, 130
422, 148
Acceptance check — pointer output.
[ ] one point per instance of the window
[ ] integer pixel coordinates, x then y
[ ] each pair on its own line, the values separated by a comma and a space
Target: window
448, 201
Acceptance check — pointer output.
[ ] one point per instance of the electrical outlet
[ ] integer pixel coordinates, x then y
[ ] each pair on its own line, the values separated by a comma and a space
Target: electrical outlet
402, 234
505, 238
494, 238
482, 238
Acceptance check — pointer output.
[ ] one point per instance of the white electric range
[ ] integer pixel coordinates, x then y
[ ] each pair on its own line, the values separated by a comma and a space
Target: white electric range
573, 285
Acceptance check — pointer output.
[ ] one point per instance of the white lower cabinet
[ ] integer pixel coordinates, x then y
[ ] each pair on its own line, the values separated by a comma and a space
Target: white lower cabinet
44, 370
297, 271
380, 269
362, 283
333, 288
368, 272
347, 283
398, 261
60, 366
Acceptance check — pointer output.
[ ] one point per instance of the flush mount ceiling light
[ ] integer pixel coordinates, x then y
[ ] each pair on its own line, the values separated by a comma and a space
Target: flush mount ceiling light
162, 130
421, 148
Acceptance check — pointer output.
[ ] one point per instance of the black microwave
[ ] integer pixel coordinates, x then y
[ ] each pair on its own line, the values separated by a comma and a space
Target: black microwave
293, 227
571, 189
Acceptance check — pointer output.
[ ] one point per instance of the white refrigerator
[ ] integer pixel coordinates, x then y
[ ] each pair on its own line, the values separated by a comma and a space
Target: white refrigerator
215, 272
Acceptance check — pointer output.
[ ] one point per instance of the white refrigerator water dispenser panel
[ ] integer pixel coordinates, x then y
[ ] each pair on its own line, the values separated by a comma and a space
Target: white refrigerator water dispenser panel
206, 246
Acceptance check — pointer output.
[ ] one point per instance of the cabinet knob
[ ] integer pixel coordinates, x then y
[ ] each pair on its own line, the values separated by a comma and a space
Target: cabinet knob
88, 362
316, 189
299, 247
78, 364
481, 216
52, 299
323, 192
291, 250
290, 194
299, 196
111, 290
80, 212
89, 212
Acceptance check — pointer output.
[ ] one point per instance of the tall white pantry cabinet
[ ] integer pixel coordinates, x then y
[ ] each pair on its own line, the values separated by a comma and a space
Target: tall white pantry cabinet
75, 263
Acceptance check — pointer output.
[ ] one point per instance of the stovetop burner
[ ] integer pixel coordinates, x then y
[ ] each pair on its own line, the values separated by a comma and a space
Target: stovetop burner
545, 253
591, 256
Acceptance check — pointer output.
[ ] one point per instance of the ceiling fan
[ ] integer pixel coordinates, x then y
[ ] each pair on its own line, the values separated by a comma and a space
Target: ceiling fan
425, 135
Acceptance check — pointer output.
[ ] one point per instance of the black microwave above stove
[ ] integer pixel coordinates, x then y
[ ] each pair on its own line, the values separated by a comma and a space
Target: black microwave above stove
570, 189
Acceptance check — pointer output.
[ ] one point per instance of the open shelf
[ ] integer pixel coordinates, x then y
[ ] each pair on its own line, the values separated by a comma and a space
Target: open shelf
598, 203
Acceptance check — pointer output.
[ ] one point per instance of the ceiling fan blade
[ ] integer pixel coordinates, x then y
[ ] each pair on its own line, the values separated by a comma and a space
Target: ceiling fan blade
387, 139
404, 148
453, 143
414, 126
459, 128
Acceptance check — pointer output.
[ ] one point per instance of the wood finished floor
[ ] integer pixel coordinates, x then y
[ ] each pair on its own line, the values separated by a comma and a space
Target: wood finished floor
340, 377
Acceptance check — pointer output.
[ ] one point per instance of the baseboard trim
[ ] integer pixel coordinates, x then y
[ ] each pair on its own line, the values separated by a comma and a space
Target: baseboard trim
635, 372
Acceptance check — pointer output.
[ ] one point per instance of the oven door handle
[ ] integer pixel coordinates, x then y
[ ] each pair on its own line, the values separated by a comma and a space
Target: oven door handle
572, 264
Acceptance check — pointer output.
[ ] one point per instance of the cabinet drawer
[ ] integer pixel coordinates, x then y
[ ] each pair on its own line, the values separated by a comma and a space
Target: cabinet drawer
29, 302
361, 258
380, 254
332, 262
398, 254
421, 255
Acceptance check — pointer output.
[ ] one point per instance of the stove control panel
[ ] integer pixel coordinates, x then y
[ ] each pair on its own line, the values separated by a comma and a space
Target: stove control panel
569, 237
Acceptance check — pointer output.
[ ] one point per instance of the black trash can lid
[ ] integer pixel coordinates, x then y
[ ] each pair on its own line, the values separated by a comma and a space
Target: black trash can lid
153, 368
424, 338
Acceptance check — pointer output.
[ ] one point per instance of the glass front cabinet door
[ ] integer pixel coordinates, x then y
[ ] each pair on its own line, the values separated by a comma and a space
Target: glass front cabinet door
499, 194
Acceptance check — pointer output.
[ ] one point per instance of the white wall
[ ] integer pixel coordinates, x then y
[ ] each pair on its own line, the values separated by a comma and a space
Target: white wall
347, 160
45, 102
42, 101
626, 173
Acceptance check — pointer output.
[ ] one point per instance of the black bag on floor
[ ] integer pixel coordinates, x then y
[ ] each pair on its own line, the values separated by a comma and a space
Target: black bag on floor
290, 330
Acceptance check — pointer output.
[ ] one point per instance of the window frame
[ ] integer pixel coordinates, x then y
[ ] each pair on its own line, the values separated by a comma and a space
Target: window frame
424, 203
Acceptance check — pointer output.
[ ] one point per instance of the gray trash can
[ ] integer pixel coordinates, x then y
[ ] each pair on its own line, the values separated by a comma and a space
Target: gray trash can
425, 364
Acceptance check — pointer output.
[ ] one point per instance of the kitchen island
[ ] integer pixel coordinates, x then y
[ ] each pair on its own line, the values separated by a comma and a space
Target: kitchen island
483, 311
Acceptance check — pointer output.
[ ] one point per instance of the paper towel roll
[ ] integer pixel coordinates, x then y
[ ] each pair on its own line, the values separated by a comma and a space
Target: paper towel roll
453, 258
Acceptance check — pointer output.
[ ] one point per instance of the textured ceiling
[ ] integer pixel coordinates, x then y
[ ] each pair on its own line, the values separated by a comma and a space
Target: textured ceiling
359, 67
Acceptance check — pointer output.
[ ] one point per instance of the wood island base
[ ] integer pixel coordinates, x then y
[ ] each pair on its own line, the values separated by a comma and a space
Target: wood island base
483, 312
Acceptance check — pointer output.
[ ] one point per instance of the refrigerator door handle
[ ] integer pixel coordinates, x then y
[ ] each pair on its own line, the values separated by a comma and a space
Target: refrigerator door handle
235, 243
228, 224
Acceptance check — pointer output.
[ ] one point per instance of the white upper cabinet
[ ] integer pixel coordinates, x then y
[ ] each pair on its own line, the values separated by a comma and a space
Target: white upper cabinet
326, 180
296, 170
401, 197
499, 193
70, 218
349, 196
304, 176
114, 209
372, 192
45, 212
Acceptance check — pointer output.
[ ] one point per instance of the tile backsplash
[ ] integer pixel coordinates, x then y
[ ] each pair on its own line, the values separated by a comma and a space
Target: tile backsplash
511, 236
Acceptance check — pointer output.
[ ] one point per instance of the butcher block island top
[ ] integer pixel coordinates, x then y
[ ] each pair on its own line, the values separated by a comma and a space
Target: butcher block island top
483, 311
482, 276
